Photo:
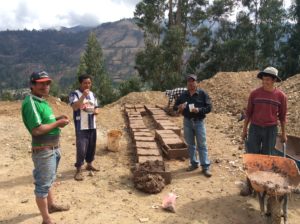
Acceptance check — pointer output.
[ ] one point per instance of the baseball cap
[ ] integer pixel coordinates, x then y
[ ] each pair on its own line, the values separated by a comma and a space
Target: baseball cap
270, 71
40, 77
191, 76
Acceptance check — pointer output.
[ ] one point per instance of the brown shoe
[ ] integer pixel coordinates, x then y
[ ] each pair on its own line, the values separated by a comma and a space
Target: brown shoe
58, 208
78, 175
91, 168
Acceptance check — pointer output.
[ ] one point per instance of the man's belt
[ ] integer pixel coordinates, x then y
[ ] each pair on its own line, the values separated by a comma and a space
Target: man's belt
46, 147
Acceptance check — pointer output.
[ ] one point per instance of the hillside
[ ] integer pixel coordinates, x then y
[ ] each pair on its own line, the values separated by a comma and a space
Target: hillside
58, 52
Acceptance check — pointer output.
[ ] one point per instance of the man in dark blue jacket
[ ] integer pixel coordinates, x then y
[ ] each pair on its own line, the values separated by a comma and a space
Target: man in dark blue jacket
194, 104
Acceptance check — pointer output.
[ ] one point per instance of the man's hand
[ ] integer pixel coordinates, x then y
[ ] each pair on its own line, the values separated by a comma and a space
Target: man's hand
181, 107
283, 137
62, 117
63, 122
86, 92
195, 110
244, 135
96, 112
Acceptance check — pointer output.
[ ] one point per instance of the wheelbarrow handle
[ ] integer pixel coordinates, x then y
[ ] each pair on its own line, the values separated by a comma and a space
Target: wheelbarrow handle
284, 149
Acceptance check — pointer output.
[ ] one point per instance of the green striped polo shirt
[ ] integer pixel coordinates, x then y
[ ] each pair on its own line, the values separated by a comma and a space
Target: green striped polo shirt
35, 112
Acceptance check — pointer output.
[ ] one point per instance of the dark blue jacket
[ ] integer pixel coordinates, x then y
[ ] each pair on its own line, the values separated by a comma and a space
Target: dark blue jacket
200, 99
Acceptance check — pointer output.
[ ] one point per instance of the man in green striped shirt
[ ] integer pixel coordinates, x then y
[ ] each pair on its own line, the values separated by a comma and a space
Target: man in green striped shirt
44, 128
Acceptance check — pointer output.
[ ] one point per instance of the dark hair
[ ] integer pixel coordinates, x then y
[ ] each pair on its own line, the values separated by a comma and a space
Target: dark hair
83, 77
268, 75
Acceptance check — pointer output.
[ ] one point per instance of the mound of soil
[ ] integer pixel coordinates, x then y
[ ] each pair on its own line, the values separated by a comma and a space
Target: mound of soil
229, 91
148, 183
152, 166
146, 180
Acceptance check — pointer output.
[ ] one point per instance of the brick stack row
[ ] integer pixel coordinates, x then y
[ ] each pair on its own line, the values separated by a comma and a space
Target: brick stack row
167, 134
146, 148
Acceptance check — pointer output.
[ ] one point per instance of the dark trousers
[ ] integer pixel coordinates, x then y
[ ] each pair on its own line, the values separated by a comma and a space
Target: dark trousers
261, 140
85, 146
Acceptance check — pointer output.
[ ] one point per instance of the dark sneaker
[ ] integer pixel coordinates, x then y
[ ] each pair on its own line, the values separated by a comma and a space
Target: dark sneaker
78, 176
191, 168
58, 208
91, 168
207, 173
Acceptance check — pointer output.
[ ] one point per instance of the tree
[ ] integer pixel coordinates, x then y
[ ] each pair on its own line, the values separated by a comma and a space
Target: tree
92, 63
290, 56
271, 31
133, 84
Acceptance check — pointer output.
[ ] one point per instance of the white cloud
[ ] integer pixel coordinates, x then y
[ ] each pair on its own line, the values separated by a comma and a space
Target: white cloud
39, 14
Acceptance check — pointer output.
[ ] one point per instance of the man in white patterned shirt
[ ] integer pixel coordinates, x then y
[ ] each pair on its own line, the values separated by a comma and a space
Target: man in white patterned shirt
85, 107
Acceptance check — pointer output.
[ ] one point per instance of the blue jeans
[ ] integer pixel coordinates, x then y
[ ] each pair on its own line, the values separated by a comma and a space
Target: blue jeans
192, 129
45, 166
261, 140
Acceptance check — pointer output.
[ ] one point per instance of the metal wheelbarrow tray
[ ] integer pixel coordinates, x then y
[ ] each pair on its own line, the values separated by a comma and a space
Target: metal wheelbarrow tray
274, 175
292, 148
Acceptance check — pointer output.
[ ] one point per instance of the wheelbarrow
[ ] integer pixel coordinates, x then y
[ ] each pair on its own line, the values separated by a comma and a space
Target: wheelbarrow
273, 177
292, 148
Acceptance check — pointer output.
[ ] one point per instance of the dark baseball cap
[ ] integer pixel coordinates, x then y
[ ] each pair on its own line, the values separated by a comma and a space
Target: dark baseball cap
40, 77
191, 76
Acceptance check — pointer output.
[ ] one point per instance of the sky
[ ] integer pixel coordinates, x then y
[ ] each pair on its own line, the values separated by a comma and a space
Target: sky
44, 14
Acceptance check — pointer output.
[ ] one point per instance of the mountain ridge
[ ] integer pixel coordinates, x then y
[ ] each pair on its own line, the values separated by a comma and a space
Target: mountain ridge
58, 52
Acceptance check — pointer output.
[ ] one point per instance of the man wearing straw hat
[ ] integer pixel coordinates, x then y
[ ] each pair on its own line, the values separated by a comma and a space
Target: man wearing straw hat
266, 106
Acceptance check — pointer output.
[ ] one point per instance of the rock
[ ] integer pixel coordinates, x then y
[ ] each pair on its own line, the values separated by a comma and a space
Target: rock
142, 220
24, 201
218, 160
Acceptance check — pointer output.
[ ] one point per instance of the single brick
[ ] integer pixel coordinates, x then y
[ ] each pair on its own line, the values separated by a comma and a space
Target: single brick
147, 152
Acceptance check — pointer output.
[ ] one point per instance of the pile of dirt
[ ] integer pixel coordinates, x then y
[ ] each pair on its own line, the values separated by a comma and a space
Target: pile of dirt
229, 91
291, 87
151, 166
146, 179
149, 183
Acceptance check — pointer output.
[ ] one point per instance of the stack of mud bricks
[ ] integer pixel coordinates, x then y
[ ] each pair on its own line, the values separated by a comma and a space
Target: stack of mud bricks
161, 119
145, 144
168, 134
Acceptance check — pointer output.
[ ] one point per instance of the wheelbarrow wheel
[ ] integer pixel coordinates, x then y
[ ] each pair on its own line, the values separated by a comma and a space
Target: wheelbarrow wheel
274, 210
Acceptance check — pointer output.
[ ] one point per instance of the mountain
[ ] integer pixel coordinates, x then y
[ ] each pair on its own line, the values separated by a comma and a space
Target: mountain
58, 52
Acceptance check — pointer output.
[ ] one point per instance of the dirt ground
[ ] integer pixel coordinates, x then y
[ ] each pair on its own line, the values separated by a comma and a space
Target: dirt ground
109, 196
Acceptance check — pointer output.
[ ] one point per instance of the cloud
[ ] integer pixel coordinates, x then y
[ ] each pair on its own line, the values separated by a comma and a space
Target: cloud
126, 2
37, 14
74, 19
